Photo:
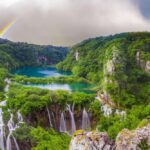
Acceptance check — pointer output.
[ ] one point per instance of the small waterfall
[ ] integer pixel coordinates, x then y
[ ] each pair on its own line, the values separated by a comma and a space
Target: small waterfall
49, 117
62, 123
85, 120
19, 117
106, 110
11, 127
1, 130
73, 125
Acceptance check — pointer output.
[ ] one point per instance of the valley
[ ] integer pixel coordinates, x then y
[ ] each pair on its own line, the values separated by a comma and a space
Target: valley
96, 93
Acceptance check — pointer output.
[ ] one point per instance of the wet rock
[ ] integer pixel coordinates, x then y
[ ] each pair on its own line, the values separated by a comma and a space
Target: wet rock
147, 67
130, 140
92, 141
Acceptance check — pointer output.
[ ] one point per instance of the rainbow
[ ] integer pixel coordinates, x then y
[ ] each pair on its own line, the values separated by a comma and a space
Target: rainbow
6, 28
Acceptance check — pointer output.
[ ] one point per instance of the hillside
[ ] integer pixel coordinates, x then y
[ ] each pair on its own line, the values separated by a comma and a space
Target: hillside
13, 55
120, 64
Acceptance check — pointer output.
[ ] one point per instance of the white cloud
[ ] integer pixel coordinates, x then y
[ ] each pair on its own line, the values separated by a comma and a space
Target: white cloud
65, 22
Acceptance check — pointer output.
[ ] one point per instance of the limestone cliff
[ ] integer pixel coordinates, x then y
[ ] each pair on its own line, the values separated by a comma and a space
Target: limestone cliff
126, 140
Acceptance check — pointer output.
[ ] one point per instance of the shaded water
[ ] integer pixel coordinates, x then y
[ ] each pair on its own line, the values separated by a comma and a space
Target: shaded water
41, 72
72, 87
44, 72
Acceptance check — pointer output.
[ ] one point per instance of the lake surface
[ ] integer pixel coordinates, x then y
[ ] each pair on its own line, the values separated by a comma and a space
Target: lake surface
40, 72
44, 72
72, 87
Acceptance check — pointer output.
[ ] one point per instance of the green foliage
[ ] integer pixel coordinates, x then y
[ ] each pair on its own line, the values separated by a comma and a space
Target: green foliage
49, 140
14, 55
48, 80
23, 133
114, 123
128, 83
3, 75
28, 99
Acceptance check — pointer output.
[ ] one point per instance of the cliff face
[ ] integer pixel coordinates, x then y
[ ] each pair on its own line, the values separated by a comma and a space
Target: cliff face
144, 64
126, 140
117, 63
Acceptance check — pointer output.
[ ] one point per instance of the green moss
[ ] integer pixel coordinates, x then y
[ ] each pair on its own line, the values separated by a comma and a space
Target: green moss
78, 132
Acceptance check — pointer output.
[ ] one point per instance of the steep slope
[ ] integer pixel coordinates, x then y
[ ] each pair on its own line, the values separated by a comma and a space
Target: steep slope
120, 64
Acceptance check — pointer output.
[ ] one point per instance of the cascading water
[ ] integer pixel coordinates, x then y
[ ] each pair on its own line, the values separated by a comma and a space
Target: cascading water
73, 125
85, 120
11, 127
1, 131
106, 110
49, 117
19, 117
62, 123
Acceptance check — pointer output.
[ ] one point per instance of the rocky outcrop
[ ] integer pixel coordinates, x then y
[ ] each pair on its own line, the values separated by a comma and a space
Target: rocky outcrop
147, 67
110, 67
141, 63
91, 141
126, 140
77, 55
104, 98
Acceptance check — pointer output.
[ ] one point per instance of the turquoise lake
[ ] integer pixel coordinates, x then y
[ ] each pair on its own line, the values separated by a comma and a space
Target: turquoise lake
40, 72
44, 72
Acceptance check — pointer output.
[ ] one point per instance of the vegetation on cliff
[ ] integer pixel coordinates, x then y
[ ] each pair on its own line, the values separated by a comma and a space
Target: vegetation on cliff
111, 61
116, 64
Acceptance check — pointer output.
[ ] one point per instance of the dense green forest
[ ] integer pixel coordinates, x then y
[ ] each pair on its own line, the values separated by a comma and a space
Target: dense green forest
111, 62
13, 55
118, 66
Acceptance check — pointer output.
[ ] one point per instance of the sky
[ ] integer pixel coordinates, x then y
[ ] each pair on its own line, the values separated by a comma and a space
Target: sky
67, 22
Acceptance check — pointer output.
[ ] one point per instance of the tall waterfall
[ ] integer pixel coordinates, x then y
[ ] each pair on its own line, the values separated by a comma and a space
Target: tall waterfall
1, 131
73, 125
49, 117
85, 120
11, 127
62, 123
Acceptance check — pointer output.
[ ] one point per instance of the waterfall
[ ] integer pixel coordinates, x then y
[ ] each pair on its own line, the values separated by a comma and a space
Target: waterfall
85, 120
49, 117
19, 117
73, 125
1, 131
11, 127
106, 110
62, 123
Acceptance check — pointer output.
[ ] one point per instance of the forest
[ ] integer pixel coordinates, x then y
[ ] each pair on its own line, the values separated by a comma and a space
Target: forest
117, 66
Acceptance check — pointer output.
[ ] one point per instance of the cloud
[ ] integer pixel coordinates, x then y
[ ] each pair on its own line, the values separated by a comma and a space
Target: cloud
66, 22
